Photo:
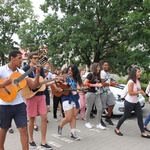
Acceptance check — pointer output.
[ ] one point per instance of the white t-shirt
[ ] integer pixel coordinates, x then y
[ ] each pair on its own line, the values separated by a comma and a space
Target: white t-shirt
105, 75
4, 73
50, 75
136, 87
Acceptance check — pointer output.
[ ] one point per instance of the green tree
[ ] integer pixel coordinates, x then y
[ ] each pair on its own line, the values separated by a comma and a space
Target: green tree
92, 31
30, 35
13, 14
139, 26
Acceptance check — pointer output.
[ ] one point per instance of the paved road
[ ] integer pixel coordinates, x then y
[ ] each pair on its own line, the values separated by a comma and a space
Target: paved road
92, 139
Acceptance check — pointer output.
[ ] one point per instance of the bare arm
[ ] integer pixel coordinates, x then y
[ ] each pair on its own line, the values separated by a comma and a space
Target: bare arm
5, 82
104, 83
34, 83
87, 83
130, 89
108, 84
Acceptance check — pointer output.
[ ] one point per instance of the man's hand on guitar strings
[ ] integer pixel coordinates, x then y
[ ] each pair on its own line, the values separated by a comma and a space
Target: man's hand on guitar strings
59, 89
38, 69
7, 81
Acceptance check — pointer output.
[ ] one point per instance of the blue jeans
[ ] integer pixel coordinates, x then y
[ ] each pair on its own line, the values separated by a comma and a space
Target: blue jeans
147, 120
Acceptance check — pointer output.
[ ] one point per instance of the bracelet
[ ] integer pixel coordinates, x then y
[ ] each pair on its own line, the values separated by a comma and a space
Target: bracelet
88, 84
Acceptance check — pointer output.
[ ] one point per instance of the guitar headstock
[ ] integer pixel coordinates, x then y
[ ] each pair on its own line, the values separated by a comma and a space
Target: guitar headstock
42, 61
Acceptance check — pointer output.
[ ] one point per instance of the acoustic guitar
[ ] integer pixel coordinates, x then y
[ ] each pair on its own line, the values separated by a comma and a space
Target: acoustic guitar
9, 92
66, 89
28, 93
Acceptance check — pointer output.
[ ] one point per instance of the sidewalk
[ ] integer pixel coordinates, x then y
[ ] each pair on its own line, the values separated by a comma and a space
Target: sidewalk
92, 139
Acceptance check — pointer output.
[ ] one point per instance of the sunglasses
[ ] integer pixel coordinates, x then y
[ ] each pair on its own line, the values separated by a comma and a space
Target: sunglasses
35, 58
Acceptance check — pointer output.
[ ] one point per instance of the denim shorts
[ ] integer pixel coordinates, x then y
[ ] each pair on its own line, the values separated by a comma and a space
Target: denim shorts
16, 112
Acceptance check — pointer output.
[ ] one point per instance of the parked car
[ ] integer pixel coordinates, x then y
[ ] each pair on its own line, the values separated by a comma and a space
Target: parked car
119, 106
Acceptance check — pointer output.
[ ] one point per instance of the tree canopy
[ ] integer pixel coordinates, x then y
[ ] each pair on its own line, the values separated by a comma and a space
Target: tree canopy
91, 31
13, 14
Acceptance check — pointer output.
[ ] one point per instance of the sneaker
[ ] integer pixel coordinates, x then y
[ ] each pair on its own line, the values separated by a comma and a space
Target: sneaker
46, 146
99, 126
102, 123
88, 125
55, 119
109, 121
32, 144
11, 131
36, 128
75, 137
59, 130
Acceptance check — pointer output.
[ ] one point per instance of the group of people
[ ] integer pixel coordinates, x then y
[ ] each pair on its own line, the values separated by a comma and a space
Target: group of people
82, 95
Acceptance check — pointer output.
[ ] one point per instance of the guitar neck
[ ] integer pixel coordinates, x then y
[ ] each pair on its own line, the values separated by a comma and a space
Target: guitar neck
25, 74
74, 89
46, 81
41, 62
70, 89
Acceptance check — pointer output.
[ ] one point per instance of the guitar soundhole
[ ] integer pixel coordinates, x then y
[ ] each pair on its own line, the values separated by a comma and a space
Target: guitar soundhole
16, 82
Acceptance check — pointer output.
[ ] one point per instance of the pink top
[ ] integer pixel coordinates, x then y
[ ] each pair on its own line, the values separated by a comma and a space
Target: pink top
136, 87
24, 53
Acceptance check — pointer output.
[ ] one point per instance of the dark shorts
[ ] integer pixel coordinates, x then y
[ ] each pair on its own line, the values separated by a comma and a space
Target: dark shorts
16, 112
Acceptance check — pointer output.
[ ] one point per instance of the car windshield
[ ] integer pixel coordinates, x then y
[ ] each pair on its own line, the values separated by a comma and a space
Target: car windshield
119, 86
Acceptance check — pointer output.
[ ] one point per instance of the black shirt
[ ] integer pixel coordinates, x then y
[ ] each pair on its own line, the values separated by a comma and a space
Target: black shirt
92, 80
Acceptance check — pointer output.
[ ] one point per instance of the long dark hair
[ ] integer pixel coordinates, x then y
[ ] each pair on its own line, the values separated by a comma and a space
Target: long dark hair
132, 74
76, 74
94, 70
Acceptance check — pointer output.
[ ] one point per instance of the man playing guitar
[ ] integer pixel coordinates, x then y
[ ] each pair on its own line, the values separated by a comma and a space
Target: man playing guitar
15, 109
36, 105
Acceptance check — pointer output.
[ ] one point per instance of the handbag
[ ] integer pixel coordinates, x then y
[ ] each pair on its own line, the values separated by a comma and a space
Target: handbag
147, 91
124, 92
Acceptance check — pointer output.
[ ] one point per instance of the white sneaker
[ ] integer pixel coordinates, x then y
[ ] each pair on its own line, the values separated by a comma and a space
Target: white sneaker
99, 126
88, 125
55, 119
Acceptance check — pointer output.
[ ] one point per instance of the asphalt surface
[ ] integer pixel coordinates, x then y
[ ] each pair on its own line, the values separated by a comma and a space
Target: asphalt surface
92, 139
